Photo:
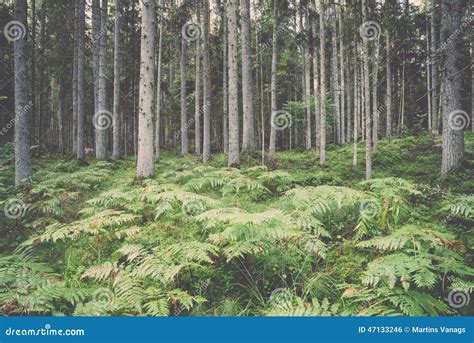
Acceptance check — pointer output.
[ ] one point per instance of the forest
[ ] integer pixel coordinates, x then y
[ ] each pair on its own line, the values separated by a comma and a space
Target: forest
236, 158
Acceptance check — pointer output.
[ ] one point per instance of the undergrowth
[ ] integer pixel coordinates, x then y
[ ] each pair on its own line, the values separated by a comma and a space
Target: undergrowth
212, 240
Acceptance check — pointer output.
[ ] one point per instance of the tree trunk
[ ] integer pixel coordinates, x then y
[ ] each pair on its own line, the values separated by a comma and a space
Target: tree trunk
197, 96
183, 97
80, 82
95, 55
158, 90
116, 153
248, 132
434, 67
368, 119
74, 77
234, 159
307, 79
102, 118
375, 107
316, 90
322, 61
342, 81
23, 106
455, 120
145, 157
335, 75
273, 101
356, 105
389, 89
206, 148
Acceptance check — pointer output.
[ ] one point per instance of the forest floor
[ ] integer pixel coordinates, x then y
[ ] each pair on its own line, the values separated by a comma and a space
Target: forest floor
212, 240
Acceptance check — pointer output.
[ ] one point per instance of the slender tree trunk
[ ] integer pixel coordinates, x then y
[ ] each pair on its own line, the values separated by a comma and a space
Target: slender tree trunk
145, 160
272, 145
335, 74
117, 126
183, 94
158, 90
206, 148
80, 82
316, 90
375, 106
197, 96
248, 132
74, 77
356, 106
389, 89
102, 117
428, 79
455, 120
343, 84
225, 83
22, 105
434, 67
233, 85
368, 119
322, 58
307, 79
95, 55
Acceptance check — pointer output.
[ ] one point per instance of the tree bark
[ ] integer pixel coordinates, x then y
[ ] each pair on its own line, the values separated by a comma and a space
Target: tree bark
158, 90
23, 106
336, 93
434, 67
102, 115
248, 132
322, 49
80, 82
145, 159
197, 96
455, 120
316, 90
273, 101
368, 119
116, 151
234, 158
388, 132
307, 79
206, 148
375, 107
183, 98
342, 81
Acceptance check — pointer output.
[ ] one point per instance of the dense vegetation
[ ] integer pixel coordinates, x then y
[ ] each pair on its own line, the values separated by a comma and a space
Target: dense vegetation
212, 240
